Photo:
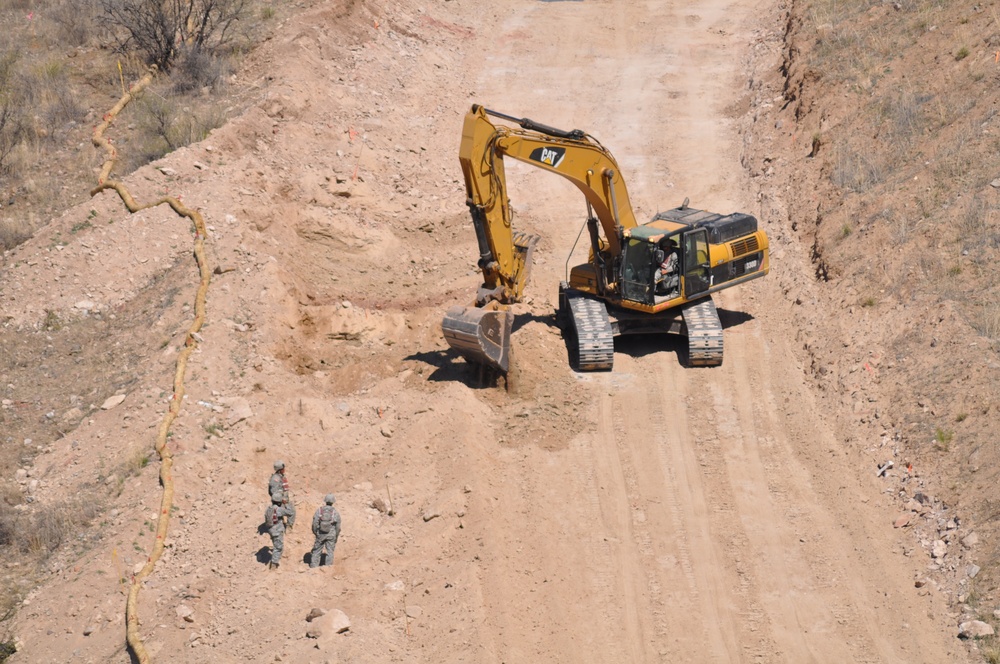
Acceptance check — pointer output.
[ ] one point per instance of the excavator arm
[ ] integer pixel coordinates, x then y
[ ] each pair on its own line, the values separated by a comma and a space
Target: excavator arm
482, 333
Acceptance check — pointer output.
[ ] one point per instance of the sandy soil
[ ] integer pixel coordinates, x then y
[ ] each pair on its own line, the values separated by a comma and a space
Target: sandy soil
655, 513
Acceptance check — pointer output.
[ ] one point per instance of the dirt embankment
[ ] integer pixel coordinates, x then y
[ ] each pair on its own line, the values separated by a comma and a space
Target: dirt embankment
880, 173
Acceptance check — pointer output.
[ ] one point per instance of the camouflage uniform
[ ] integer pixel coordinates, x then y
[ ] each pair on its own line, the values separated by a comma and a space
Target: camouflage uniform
279, 483
667, 278
274, 519
326, 517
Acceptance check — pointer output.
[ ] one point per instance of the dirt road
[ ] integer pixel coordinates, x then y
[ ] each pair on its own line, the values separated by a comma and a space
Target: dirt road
707, 515
654, 513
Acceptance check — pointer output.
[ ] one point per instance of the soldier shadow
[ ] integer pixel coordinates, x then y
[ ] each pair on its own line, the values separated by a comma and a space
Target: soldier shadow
262, 529
323, 558
263, 555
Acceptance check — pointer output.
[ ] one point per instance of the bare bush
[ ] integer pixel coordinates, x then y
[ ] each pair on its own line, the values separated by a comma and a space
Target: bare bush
900, 111
75, 21
985, 319
13, 121
199, 69
163, 125
162, 29
41, 531
955, 159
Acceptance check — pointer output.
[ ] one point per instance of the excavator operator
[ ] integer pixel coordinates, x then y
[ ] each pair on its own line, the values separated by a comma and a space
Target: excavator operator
667, 278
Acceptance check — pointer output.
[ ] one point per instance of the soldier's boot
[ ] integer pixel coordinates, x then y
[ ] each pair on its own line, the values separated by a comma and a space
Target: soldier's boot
273, 566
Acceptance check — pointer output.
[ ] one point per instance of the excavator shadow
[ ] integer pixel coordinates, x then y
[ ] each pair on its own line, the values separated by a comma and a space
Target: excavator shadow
733, 318
450, 366
641, 345
548, 320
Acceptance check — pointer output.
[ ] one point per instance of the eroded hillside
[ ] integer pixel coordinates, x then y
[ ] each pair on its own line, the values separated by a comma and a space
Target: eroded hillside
876, 139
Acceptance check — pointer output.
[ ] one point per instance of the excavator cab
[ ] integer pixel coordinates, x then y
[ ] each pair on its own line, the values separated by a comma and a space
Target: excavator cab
644, 249
639, 261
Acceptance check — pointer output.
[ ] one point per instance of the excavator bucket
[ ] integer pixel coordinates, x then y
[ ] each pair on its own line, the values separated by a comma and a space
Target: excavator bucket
482, 336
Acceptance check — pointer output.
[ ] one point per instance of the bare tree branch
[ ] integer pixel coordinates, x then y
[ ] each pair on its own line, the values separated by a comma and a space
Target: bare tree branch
161, 29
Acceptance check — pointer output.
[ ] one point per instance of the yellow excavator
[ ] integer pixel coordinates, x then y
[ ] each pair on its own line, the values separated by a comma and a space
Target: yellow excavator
656, 277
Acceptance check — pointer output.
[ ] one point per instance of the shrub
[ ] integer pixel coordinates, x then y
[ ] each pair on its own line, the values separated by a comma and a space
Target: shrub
197, 69
943, 438
75, 21
13, 105
164, 126
162, 29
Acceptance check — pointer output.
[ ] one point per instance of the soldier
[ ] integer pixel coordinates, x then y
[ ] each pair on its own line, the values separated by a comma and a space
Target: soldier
279, 483
326, 528
274, 518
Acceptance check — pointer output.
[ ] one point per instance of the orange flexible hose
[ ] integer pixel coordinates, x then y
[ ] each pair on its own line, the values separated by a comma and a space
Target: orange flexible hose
166, 459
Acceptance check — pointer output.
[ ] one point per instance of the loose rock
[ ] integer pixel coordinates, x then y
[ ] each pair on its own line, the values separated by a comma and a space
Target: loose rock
111, 402
975, 629
239, 409
332, 622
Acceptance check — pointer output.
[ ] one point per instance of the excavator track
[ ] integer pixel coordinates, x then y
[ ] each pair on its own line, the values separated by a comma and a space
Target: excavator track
594, 346
704, 333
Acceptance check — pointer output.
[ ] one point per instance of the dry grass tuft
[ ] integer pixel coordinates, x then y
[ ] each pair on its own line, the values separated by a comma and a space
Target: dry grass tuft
987, 323
857, 169
40, 531
13, 232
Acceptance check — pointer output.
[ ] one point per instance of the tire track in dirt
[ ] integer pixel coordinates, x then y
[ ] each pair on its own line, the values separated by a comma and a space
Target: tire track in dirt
624, 522
773, 501
832, 586
695, 505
